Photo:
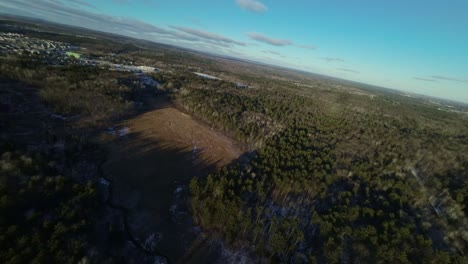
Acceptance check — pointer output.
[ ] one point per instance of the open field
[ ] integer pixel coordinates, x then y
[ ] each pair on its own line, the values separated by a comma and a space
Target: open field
73, 54
150, 166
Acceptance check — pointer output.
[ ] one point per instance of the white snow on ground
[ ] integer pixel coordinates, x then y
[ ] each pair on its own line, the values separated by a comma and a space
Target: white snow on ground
152, 241
206, 76
123, 131
104, 181
118, 131
234, 256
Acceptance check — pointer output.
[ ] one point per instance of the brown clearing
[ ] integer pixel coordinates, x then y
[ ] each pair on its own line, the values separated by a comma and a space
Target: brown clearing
150, 169
170, 127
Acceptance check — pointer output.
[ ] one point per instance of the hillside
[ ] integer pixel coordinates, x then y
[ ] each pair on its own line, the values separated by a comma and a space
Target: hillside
125, 152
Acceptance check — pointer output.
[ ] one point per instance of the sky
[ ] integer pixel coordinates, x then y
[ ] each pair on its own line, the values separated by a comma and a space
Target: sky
417, 46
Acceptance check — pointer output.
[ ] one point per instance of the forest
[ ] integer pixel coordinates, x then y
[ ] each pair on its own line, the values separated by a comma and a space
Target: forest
336, 178
45, 216
52, 203
336, 173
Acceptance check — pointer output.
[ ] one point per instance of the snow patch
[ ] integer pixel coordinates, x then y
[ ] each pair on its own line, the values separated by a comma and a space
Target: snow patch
121, 132
152, 241
206, 76
60, 117
104, 181
234, 256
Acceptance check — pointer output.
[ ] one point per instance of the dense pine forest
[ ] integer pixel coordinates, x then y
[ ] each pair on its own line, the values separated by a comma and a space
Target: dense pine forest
337, 177
52, 203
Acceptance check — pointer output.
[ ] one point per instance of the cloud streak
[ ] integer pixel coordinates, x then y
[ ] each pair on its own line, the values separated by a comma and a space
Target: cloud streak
436, 78
252, 5
271, 52
331, 59
267, 40
424, 79
148, 3
82, 3
445, 78
208, 35
56, 11
309, 47
347, 70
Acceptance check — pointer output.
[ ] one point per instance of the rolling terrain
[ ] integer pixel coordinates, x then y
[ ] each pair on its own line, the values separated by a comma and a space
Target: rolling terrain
149, 153
150, 168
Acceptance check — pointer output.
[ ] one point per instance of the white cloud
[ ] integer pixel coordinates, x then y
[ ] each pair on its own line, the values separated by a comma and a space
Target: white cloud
332, 59
309, 47
445, 78
271, 41
347, 70
208, 35
56, 11
82, 3
252, 5
271, 52
424, 79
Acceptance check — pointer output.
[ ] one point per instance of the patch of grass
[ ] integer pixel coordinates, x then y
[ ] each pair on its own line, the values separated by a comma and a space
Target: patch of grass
73, 54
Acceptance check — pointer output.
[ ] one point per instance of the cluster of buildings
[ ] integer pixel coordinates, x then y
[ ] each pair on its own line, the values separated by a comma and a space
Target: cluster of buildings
58, 53
13, 43
49, 52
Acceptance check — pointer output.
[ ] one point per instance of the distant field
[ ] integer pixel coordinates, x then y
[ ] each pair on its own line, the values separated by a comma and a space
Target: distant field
73, 54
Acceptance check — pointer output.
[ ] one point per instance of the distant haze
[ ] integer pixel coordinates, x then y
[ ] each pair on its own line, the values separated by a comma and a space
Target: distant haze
415, 46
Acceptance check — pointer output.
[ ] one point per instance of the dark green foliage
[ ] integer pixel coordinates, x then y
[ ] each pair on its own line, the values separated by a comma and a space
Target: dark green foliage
331, 182
44, 217
92, 93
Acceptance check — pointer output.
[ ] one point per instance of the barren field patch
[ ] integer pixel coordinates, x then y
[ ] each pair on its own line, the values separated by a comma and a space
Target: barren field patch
150, 166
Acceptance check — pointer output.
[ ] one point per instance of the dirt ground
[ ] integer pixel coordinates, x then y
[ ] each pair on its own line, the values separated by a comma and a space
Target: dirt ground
150, 164
172, 128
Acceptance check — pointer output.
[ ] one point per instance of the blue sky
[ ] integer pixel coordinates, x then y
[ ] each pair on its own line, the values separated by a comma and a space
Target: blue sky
416, 46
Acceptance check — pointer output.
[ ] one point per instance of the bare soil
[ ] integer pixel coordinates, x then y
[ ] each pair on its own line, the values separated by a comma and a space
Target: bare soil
150, 168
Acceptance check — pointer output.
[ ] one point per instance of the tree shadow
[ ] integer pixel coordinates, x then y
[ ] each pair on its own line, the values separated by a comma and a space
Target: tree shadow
150, 181
24, 118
